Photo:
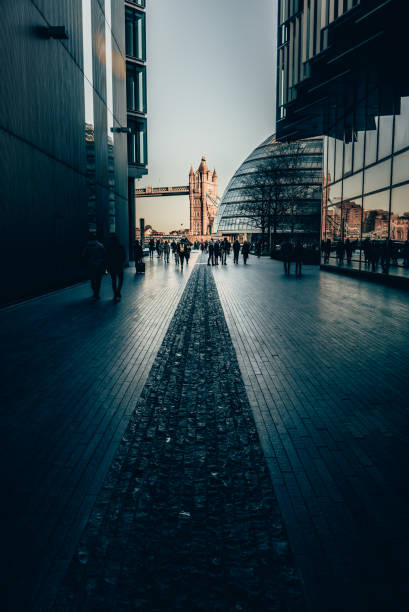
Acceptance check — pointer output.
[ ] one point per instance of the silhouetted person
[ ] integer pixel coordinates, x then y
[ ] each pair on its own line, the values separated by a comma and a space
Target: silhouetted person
181, 252
166, 251
210, 250
348, 250
94, 257
286, 254
340, 251
245, 251
187, 252
115, 258
366, 247
151, 248
216, 252
236, 251
298, 257
258, 248
137, 253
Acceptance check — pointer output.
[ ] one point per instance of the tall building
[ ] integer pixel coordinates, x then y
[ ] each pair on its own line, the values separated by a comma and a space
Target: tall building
135, 48
340, 75
277, 180
63, 128
203, 200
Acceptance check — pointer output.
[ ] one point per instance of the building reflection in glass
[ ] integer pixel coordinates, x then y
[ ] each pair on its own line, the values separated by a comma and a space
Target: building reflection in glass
89, 114
365, 212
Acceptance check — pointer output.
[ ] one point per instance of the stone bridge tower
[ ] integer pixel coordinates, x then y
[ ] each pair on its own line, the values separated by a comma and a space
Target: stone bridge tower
202, 184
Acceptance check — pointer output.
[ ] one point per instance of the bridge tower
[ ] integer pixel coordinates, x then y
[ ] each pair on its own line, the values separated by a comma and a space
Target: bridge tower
202, 183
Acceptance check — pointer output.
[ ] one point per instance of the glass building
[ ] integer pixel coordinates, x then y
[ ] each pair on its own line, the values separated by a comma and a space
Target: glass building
136, 101
282, 180
339, 75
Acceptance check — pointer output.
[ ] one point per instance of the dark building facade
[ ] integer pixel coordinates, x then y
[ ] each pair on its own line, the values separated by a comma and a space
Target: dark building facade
340, 74
136, 98
280, 180
63, 138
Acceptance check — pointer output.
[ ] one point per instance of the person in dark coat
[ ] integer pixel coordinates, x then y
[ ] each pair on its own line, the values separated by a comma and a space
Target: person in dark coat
348, 250
181, 248
258, 248
188, 249
210, 250
236, 251
94, 257
298, 257
138, 253
216, 252
245, 251
115, 258
286, 253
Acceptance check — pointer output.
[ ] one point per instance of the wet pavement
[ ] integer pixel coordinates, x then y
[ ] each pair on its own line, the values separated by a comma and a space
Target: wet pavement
322, 362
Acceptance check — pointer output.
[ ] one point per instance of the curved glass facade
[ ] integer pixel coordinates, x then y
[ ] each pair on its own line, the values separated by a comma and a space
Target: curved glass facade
278, 186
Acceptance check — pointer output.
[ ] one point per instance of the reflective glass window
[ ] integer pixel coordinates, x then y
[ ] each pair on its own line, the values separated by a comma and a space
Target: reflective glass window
371, 140
377, 177
135, 34
375, 216
331, 159
339, 153
402, 126
352, 186
359, 150
385, 136
135, 88
400, 172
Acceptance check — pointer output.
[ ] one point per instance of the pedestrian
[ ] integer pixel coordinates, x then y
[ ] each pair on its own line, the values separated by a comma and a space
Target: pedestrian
115, 258
151, 248
188, 249
210, 250
224, 251
348, 250
166, 251
286, 254
245, 251
202, 247
181, 251
298, 257
138, 253
94, 257
236, 251
216, 252
258, 248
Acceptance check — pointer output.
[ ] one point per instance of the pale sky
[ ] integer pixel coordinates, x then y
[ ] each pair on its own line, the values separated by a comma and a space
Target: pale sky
211, 90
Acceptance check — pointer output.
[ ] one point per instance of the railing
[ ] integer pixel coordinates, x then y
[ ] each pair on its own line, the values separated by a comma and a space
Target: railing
159, 191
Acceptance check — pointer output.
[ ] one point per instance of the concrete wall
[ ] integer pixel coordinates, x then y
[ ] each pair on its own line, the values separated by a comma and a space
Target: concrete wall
43, 195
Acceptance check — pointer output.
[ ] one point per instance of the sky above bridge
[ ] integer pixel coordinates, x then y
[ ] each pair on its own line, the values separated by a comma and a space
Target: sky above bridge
211, 90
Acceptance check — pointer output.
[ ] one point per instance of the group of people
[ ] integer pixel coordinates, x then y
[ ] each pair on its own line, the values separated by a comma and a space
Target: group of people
375, 252
220, 249
181, 250
100, 258
292, 252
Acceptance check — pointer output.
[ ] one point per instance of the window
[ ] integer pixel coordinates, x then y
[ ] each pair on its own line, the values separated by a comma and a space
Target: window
136, 88
137, 143
135, 34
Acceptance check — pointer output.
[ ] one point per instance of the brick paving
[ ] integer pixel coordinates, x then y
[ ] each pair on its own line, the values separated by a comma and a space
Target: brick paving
325, 362
187, 518
72, 370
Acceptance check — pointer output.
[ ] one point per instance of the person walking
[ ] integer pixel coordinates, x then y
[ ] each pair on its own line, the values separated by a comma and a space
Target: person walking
166, 251
224, 250
286, 253
245, 251
188, 249
115, 258
210, 250
94, 257
181, 252
298, 257
151, 248
138, 255
216, 251
236, 251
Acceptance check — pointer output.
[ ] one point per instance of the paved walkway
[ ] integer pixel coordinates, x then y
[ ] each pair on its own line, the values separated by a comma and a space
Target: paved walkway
325, 364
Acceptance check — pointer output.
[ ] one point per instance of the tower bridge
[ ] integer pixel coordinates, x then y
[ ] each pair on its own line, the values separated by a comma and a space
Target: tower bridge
203, 198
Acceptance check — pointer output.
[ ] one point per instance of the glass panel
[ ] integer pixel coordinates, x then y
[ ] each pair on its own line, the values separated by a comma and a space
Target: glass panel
399, 231
375, 222
339, 151
377, 177
402, 126
352, 186
371, 139
331, 159
385, 136
89, 114
351, 226
401, 168
359, 150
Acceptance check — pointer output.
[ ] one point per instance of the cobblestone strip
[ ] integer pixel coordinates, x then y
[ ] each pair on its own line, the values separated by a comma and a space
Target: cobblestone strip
187, 518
